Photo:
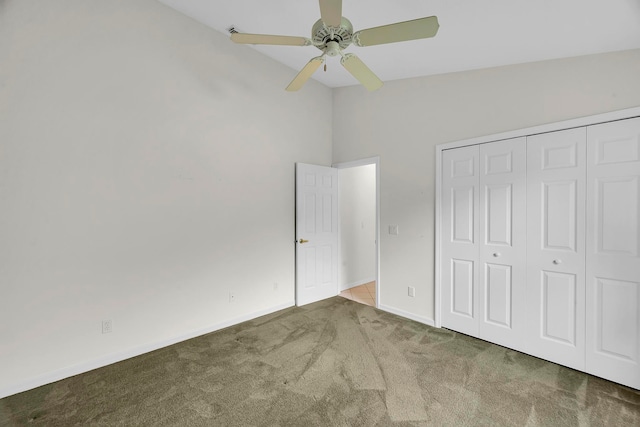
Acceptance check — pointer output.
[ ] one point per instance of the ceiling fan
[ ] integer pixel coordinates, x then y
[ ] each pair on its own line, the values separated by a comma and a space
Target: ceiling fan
333, 33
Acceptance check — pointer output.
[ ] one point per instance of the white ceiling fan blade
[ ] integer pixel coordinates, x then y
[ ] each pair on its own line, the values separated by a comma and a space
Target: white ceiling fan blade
331, 12
305, 74
244, 38
360, 71
402, 31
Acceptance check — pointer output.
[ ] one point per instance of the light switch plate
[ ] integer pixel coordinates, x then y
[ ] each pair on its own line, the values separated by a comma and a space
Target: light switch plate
393, 230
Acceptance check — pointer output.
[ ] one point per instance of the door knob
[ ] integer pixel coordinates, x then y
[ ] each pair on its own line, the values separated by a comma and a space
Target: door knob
557, 261
303, 241
496, 254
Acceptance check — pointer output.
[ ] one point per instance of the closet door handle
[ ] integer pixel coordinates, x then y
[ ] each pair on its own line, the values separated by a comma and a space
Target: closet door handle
557, 261
496, 254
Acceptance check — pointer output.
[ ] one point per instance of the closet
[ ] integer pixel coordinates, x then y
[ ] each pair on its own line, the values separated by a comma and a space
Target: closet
539, 246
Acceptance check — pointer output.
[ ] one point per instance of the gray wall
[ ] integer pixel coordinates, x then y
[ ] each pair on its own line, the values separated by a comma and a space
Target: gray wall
146, 170
403, 122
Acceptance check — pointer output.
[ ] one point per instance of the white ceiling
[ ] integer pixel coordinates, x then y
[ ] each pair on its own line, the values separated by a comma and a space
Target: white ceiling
473, 34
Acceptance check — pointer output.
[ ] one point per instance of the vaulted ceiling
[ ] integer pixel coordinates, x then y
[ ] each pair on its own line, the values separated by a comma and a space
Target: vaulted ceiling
472, 35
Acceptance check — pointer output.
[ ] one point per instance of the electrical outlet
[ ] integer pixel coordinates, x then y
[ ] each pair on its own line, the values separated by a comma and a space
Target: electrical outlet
232, 296
412, 291
393, 230
107, 326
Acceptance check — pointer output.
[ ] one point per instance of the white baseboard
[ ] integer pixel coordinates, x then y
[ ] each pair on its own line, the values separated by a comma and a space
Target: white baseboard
108, 359
356, 283
406, 314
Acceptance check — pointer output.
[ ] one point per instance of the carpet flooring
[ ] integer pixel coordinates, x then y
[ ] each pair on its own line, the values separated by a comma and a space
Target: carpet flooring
331, 363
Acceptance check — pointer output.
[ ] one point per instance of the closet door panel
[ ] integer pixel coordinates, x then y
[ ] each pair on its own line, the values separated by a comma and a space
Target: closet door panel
498, 292
558, 299
613, 251
559, 207
460, 239
556, 165
503, 242
462, 287
498, 200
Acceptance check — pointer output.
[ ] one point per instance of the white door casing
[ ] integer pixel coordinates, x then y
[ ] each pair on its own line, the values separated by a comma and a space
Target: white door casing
502, 246
460, 239
556, 246
613, 251
316, 233
375, 161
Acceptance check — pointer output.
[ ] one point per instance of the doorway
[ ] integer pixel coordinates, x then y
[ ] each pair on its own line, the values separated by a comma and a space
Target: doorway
358, 252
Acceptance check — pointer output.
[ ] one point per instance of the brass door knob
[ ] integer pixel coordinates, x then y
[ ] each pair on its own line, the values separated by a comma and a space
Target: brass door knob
303, 241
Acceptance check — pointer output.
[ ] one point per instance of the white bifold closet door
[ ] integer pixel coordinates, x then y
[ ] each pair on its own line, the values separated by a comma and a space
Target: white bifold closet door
460, 179
540, 246
484, 250
556, 171
613, 251
503, 242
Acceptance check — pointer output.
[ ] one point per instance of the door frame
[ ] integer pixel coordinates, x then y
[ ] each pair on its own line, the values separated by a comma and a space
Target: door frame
353, 164
549, 127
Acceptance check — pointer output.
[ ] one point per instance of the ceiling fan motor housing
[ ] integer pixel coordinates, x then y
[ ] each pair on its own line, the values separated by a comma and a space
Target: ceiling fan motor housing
321, 35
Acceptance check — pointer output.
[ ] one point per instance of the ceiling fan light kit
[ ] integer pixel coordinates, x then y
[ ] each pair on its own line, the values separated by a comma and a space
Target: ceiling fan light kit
333, 33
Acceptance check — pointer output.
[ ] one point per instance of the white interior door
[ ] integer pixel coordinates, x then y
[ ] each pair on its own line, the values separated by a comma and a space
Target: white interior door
613, 251
556, 246
460, 180
316, 233
502, 304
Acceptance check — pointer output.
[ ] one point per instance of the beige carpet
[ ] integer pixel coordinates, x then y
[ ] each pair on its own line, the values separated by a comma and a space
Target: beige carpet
332, 363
